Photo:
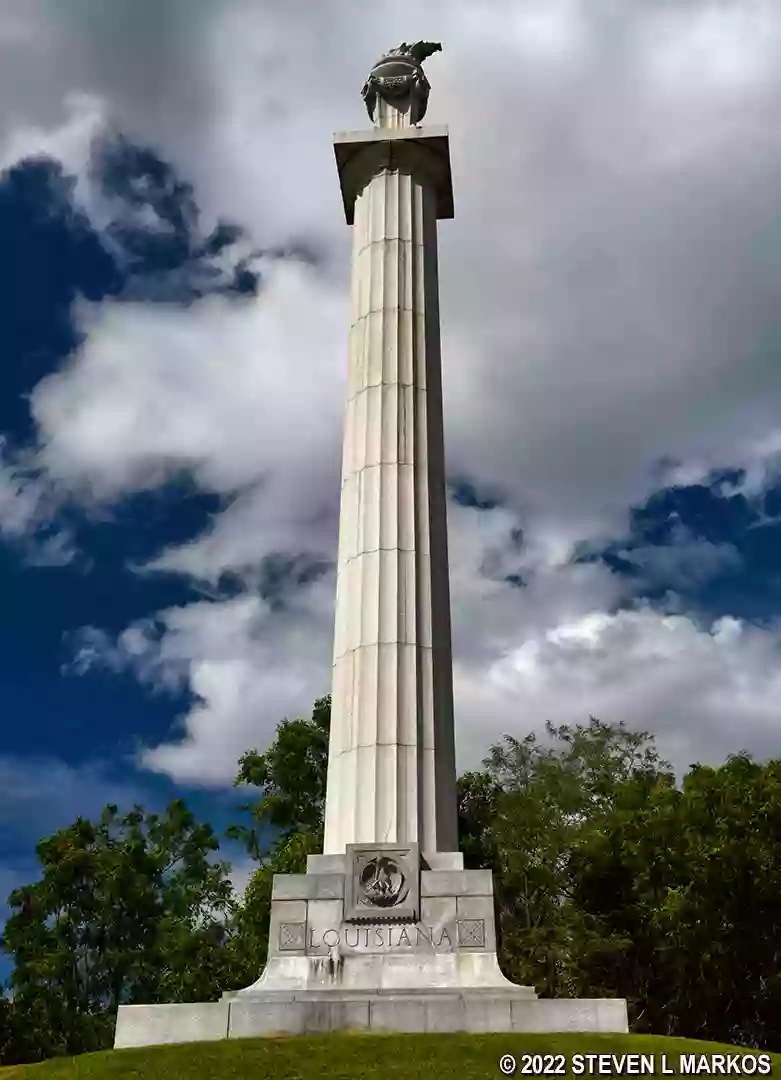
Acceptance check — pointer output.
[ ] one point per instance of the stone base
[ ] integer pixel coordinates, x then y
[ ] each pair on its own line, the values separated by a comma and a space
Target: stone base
334, 965
249, 1015
443, 939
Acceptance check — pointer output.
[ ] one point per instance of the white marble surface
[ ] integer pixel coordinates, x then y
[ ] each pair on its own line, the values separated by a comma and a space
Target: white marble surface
391, 775
154, 1025
385, 973
271, 1014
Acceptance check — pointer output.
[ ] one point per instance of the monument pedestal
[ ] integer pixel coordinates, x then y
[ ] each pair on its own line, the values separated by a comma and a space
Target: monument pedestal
433, 930
338, 963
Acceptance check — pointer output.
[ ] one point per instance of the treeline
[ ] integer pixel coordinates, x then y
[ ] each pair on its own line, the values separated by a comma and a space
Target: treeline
611, 880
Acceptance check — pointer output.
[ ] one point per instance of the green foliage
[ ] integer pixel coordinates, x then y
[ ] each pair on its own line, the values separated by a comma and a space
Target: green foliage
291, 776
251, 920
610, 880
533, 806
692, 879
132, 908
478, 802
287, 819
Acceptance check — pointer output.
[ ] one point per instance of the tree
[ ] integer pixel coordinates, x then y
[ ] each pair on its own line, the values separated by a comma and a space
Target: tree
610, 880
287, 818
478, 796
129, 909
536, 803
691, 879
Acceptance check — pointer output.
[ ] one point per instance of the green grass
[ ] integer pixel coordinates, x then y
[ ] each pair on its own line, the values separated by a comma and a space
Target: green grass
353, 1057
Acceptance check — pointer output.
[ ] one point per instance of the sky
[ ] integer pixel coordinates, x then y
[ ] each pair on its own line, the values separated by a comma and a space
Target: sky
173, 321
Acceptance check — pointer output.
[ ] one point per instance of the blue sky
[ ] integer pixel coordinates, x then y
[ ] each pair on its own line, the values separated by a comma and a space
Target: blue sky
173, 313
69, 741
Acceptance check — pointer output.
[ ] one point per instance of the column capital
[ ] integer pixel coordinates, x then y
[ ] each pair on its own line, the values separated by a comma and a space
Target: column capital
360, 155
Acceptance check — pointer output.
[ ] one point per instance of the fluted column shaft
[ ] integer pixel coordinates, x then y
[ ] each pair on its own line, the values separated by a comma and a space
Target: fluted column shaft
391, 772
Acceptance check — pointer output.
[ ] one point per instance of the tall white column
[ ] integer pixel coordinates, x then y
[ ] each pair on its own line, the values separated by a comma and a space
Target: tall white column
391, 769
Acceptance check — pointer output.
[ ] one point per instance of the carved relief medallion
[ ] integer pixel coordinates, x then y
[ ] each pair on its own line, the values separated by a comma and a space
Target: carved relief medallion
383, 883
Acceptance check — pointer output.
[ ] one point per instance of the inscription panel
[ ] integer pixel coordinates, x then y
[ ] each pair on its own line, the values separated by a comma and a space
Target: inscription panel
395, 938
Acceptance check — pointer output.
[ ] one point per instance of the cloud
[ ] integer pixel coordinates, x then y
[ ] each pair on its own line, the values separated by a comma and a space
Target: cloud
247, 662
610, 289
246, 396
550, 649
28, 505
68, 141
683, 564
144, 244
692, 687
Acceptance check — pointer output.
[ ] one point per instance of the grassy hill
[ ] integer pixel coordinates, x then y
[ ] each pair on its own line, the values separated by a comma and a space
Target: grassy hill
354, 1056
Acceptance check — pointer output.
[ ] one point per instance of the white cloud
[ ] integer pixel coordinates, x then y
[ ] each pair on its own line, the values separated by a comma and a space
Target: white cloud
609, 288
683, 564
704, 693
247, 663
28, 501
246, 395
249, 668
68, 141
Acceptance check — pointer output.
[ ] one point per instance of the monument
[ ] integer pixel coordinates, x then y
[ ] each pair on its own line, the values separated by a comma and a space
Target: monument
386, 931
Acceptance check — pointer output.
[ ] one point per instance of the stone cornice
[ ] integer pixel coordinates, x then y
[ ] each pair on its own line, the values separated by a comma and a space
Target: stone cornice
423, 152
